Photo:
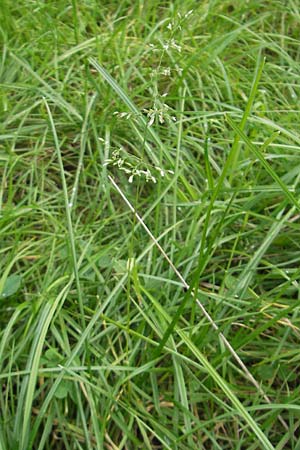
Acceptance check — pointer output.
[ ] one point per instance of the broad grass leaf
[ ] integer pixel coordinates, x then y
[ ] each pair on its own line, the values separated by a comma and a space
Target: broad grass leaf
11, 286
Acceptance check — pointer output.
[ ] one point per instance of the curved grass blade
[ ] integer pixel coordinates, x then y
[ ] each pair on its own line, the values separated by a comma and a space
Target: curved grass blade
264, 163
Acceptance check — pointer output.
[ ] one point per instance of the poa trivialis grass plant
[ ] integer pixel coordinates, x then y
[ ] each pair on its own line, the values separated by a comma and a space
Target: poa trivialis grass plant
149, 284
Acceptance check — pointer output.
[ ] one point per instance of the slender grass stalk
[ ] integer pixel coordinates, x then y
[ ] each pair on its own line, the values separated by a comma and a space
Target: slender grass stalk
188, 288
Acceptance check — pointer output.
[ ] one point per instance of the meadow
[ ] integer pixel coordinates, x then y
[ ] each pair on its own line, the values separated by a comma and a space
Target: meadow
149, 220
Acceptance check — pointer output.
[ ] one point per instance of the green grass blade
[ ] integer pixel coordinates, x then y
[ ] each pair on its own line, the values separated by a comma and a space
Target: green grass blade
288, 194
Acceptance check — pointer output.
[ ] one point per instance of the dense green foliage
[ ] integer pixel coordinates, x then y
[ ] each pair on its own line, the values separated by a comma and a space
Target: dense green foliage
190, 112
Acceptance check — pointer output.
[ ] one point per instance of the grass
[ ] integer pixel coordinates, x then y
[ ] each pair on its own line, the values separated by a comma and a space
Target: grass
149, 283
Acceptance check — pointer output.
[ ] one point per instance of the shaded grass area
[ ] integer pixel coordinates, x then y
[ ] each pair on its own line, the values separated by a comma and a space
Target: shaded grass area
192, 108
